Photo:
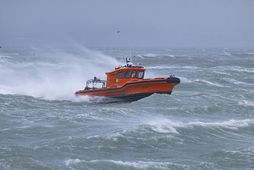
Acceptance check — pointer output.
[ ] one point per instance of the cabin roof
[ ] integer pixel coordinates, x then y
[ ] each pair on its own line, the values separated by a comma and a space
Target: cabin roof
134, 68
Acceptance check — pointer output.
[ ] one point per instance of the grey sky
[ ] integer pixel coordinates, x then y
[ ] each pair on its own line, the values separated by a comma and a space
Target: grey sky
143, 23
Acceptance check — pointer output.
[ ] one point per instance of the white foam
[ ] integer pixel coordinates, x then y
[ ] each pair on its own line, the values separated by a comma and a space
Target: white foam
4, 58
189, 67
164, 125
133, 164
150, 55
221, 72
236, 82
226, 53
209, 82
170, 126
55, 74
246, 103
235, 68
171, 67
240, 69
159, 67
185, 80
171, 55
229, 124
71, 161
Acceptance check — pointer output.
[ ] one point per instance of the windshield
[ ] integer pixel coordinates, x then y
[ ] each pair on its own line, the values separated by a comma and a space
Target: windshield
131, 74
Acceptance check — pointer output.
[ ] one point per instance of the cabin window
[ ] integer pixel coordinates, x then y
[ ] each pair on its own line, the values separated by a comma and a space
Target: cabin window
140, 74
120, 75
133, 74
128, 74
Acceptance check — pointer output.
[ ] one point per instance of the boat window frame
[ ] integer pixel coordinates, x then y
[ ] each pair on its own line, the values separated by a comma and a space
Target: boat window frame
120, 74
140, 74
133, 74
128, 74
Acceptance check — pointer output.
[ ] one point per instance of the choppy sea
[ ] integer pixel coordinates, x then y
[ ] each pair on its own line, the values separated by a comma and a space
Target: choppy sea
207, 122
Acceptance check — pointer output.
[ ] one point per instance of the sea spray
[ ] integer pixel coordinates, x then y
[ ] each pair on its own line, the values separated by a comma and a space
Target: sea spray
52, 74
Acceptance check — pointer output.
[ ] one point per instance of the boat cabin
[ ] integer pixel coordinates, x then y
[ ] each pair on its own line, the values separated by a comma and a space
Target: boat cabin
123, 74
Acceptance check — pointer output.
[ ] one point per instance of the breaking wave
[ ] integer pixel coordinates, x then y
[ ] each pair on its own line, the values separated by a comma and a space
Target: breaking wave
246, 103
169, 126
171, 67
209, 83
237, 82
235, 69
125, 164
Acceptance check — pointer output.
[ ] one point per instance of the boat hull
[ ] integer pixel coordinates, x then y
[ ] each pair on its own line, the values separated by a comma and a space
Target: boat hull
134, 90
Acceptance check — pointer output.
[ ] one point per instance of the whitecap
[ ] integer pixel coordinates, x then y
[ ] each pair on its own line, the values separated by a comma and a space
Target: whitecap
226, 53
250, 53
209, 82
172, 126
159, 67
229, 124
71, 161
162, 67
246, 103
164, 126
129, 164
240, 69
236, 82
221, 72
150, 55
189, 67
171, 56
235, 68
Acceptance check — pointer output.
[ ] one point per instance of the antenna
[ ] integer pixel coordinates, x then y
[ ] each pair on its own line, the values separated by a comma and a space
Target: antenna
130, 53
127, 60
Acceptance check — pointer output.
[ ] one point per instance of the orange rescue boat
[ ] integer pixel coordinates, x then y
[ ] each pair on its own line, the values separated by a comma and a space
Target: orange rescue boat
127, 83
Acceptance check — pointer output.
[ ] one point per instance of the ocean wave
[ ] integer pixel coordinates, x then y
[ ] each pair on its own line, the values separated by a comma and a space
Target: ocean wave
4, 58
221, 72
246, 103
150, 55
208, 82
127, 164
235, 68
159, 67
171, 55
226, 53
238, 156
250, 53
162, 67
240, 69
170, 126
237, 82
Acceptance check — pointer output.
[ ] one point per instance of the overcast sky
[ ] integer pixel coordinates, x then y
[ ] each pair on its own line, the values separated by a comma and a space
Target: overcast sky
142, 23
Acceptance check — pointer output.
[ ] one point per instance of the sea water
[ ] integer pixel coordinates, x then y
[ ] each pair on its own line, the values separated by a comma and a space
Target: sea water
207, 122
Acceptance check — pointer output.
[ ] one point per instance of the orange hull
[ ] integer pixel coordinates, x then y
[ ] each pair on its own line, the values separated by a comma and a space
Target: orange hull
134, 90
